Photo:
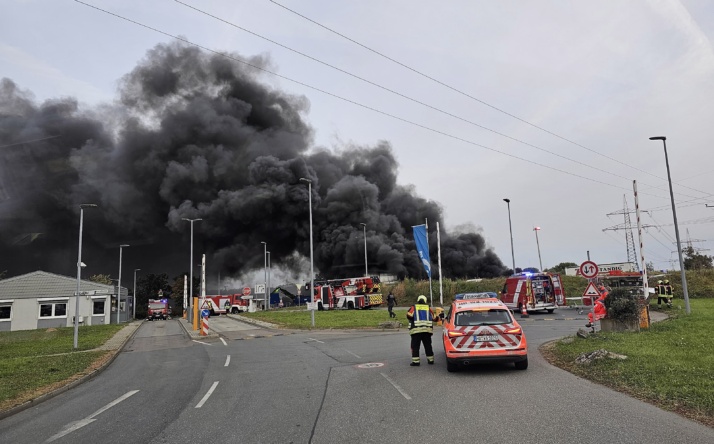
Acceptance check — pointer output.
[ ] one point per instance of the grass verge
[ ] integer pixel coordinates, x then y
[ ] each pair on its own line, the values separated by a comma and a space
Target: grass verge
34, 362
669, 365
301, 319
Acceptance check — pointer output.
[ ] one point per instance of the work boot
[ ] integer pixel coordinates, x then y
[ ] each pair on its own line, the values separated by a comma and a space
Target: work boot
588, 325
430, 362
414, 364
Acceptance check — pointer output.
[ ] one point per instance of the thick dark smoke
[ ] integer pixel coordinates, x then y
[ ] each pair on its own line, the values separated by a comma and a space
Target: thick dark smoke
194, 135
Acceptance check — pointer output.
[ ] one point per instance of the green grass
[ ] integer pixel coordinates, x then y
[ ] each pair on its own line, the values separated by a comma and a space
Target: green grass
34, 359
671, 364
300, 319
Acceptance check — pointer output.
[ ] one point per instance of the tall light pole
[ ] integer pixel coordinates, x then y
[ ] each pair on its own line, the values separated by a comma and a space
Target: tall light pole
79, 271
537, 229
312, 267
265, 275
190, 268
676, 227
134, 313
268, 288
510, 228
119, 285
364, 226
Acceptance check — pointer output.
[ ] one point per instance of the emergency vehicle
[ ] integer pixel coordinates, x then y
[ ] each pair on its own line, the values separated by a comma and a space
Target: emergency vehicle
481, 331
158, 309
347, 293
534, 291
227, 303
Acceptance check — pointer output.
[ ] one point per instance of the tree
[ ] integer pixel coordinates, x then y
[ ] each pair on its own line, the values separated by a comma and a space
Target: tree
696, 261
101, 279
560, 268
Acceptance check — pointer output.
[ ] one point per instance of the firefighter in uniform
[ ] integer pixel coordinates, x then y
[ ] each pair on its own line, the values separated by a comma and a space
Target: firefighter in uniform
668, 293
599, 309
421, 327
660, 292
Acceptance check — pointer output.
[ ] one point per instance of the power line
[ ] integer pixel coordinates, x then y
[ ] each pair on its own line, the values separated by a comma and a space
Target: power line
401, 119
452, 88
29, 141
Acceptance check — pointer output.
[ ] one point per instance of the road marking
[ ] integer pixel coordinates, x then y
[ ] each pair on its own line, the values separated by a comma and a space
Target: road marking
71, 427
358, 357
224, 342
207, 395
312, 339
228, 361
399, 389
204, 343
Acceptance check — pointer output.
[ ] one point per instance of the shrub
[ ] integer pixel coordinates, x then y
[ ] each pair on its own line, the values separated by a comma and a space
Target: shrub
622, 305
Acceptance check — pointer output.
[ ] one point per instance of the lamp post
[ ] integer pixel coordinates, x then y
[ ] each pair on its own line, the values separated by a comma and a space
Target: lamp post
676, 227
79, 271
510, 228
190, 268
119, 285
364, 226
265, 275
268, 288
133, 315
312, 267
537, 229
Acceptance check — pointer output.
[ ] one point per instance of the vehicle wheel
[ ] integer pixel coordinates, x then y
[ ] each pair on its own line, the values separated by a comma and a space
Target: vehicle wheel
350, 305
551, 310
522, 365
320, 307
451, 367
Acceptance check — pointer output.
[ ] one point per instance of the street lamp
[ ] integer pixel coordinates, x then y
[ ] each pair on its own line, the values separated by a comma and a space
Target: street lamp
364, 226
537, 229
312, 267
510, 228
676, 227
79, 271
134, 314
190, 268
119, 284
265, 275
268, 288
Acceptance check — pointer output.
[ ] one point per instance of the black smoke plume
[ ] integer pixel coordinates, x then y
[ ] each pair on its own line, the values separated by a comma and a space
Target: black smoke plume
195, 135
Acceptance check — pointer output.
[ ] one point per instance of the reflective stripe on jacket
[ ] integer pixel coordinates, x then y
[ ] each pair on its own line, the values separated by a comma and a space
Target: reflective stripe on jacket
421, 319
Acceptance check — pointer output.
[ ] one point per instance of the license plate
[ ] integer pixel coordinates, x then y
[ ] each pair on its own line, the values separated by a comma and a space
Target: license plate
487, 338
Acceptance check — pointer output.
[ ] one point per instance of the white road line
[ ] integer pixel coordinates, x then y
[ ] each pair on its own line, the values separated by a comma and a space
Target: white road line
224, 342
207, 395
204, 343
228, 361
399, 389
358, 357
71, 427
312, 339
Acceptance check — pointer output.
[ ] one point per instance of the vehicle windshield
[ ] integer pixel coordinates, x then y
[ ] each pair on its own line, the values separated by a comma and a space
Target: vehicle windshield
491, 317
157, 306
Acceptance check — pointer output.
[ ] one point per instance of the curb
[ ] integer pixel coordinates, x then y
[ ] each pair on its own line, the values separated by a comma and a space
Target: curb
194, 334
44, 397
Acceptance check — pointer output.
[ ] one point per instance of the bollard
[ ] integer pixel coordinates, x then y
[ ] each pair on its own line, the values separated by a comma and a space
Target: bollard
204, 326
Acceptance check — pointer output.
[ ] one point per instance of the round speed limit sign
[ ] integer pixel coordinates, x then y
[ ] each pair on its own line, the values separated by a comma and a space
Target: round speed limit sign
589, 269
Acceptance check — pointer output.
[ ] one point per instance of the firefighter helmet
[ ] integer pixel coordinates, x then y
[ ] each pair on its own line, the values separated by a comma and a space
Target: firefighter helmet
659, 282
666, 281
421, 299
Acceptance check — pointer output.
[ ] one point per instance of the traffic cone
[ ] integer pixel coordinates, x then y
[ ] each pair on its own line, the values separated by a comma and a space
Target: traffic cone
524, 312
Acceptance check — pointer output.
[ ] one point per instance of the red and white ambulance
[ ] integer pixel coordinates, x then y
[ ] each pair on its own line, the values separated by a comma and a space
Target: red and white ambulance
534, 291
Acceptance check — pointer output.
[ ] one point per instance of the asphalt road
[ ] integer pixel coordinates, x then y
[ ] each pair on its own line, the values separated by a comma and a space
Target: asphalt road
262, 386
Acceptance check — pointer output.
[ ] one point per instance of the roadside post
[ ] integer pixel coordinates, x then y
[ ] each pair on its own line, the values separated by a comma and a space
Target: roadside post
204, 322
590, 270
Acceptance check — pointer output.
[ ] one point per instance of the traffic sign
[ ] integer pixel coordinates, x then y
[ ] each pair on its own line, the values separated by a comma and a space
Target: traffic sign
589, 269
246, 291
591, 290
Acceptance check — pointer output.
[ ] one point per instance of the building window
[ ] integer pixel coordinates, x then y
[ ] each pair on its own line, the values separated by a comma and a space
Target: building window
98, 306
53, 310
5, 312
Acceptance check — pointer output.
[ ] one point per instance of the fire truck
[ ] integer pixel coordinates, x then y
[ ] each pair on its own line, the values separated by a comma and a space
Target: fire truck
534, 291
348, 293
158, 309
227, 303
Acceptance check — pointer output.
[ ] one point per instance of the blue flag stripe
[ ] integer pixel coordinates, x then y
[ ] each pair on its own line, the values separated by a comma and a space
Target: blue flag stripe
422, 246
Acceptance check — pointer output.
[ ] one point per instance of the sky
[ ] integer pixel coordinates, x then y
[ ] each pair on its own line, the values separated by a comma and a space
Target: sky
547, 103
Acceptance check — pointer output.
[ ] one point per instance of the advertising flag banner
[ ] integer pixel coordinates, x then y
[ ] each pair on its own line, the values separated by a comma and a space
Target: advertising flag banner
422, 246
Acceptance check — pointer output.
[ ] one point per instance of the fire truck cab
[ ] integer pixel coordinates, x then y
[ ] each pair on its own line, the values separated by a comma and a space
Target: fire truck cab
349, 293
158, 309
534, 291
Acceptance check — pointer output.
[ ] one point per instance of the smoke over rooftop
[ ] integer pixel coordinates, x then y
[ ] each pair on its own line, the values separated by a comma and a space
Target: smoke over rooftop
195, 135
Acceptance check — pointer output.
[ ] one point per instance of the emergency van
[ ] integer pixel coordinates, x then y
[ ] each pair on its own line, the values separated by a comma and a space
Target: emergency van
534, 291
482, 330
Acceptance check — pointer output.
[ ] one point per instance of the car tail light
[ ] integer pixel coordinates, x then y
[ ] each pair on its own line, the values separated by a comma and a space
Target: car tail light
456, 334
514, 331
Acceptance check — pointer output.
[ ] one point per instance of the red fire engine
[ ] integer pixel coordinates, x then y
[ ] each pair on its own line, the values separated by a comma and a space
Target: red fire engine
158, 309
348, 293
227, 303
534, 291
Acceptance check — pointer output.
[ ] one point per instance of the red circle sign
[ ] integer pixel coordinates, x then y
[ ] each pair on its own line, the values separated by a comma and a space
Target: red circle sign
246, 291
589, 269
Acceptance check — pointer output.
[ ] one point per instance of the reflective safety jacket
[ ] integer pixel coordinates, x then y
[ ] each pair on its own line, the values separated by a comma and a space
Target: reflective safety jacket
421, 319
